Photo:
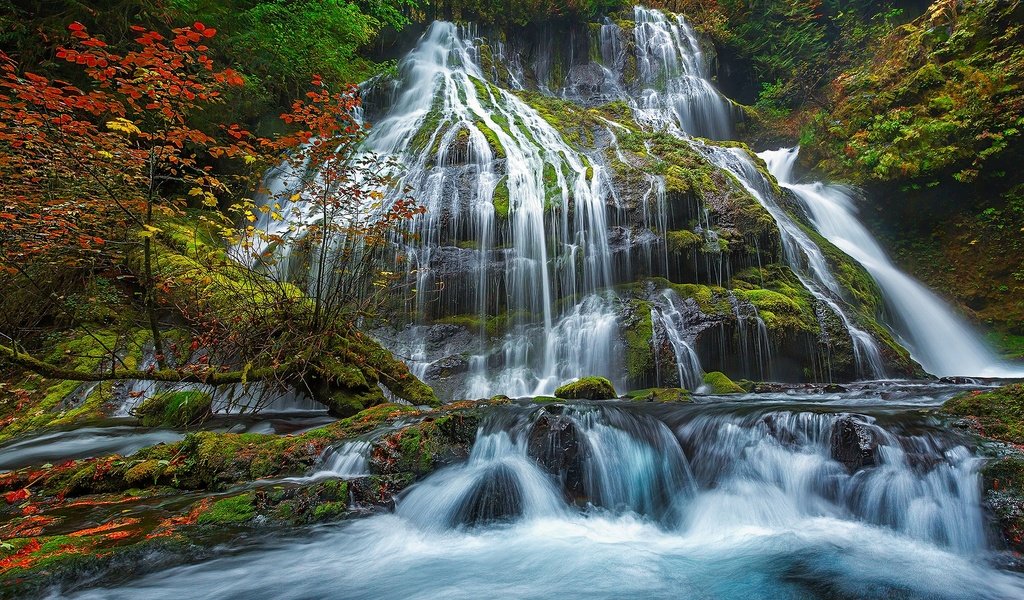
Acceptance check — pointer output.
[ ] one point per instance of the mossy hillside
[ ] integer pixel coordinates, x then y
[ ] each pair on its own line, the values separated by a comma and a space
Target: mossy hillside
587, 388
938, 97
175, 409
345, 372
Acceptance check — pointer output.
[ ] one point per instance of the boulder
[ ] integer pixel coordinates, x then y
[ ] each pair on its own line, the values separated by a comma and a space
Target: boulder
561, 450
853, 444
587, 388
719, 383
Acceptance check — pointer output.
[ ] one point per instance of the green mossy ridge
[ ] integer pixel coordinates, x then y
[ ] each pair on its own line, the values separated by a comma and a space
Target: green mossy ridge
718, 383
500, 199
660, 395
209, 460
1000, 413
229, 511
638, 334
587, 388
175, 409
492, 325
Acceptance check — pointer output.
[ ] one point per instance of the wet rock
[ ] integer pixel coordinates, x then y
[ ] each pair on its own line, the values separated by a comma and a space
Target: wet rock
495, 497
446, 367
719, 383
769, 388
778, 430
853, 444
834, 388
561, 450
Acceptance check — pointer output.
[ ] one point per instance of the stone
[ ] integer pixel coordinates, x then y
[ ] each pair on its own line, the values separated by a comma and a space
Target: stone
853, 444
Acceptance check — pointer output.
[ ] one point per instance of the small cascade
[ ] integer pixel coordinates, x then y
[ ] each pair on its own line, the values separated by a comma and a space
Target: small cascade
941, 341
670, 320
801, 253
536, 464
676, 90
770, 468
729, 500
349, 460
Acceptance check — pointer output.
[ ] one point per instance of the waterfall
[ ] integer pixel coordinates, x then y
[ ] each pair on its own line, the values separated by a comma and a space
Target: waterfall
667, 315
801, 253
676, 91
936, 337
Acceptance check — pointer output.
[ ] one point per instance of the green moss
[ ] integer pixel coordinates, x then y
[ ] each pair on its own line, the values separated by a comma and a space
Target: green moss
500, 199
682, 241
638, 334
660, 395
719, 383
587, 388
175, 409
999, 413
233, 510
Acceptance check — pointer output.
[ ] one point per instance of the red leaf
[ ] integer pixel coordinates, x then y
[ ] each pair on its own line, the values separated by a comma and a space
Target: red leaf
16, 496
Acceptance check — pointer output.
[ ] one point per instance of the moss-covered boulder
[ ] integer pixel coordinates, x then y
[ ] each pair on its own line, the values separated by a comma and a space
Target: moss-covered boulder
587, 388
718, 383
175, 409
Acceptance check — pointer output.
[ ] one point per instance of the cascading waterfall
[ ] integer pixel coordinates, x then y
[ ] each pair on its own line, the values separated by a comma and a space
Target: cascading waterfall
547, 255
801, 253
937, 338
674, 78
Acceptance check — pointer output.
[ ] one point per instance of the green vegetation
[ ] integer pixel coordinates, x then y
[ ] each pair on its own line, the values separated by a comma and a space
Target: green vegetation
236, 509
587, 388
659, 395
719, 383
999, 413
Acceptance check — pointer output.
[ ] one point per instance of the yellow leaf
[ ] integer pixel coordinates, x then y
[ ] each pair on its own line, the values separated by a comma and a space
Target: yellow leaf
195, 191
250, 218
122, 125
249, 159
295, 197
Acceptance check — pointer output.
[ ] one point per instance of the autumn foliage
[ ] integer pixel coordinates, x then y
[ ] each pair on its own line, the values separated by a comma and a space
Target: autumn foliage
82, 167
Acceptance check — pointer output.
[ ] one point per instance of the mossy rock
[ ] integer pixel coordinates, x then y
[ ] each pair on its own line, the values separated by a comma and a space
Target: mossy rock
999, 413
660, 395
587, 388
175, 409
233, 510
718, 383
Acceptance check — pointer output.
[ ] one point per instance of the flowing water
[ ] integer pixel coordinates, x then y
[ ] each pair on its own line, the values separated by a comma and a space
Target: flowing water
941, 341
775, 496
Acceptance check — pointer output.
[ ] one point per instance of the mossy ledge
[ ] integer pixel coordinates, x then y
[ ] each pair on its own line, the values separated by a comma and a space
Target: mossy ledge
999, 415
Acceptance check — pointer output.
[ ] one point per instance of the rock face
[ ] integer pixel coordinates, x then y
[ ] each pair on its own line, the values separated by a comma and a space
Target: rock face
561, 450
495, 497
854, 444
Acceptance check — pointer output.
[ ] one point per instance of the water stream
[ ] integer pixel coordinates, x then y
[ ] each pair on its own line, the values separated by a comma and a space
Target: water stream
795, 496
